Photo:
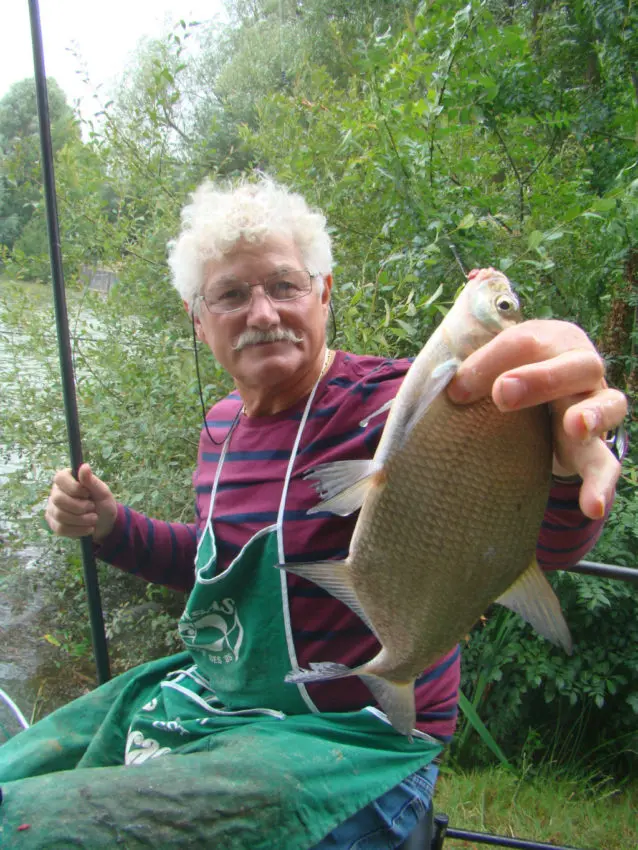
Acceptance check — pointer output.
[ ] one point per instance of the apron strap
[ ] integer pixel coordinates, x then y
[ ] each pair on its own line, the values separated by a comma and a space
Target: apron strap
291, 462
293, 457
279, 527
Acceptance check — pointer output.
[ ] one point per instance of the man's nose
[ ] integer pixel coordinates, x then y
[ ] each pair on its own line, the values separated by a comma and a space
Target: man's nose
261, 311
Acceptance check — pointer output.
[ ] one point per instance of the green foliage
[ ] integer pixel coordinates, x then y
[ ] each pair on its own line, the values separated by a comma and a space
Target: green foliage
20, 176
131, 370
140, 421
586, 703
140, 620
455, 131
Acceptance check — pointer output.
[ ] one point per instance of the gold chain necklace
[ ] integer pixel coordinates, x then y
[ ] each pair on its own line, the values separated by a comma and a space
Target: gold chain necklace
327, 363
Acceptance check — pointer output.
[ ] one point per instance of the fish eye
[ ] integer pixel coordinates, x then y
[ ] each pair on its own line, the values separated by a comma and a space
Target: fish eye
505, 304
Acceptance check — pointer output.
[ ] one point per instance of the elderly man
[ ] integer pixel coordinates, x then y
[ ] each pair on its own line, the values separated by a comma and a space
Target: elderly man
253, 267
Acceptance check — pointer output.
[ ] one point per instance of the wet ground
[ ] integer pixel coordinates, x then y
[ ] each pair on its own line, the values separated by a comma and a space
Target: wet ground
22, 618
34, 672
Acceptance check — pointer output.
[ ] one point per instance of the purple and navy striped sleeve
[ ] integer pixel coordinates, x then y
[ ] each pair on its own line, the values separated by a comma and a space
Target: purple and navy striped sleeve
157, 551
566, 534
248, 499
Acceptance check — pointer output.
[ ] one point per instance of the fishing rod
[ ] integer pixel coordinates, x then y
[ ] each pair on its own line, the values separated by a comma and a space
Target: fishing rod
457, 257
96, 618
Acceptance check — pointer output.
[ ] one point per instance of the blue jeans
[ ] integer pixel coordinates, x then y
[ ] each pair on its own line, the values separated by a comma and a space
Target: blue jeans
385, 823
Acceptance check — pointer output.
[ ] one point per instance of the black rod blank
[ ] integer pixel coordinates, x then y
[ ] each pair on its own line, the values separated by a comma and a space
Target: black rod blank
64, 342
501, 840
593, 568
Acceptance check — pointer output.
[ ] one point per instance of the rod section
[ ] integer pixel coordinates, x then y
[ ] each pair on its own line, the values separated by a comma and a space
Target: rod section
593, 568
64, 342
502, 840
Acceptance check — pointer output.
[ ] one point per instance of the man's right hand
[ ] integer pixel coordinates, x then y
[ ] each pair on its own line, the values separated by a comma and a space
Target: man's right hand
80, 508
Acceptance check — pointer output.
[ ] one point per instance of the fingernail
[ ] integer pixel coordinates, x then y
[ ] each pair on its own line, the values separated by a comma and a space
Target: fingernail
590, 421
512, 391
600, 507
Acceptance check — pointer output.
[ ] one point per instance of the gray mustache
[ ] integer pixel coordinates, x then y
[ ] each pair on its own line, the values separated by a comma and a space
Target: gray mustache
254, 337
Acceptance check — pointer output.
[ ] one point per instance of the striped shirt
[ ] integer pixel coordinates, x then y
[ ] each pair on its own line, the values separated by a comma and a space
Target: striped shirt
248, 499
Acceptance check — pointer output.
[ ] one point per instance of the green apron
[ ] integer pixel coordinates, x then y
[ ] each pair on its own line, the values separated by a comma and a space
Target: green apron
270, 770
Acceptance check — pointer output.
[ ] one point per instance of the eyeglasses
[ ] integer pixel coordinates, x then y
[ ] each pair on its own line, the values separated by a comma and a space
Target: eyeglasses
230, 296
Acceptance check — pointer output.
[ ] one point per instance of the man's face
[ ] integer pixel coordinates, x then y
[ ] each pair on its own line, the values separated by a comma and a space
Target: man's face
264, 364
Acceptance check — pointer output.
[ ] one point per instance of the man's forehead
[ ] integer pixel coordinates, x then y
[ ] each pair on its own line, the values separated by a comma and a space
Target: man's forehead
250, 259
223, 278
243, 248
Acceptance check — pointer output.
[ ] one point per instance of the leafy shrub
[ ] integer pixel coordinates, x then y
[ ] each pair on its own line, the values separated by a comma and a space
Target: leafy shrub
582, 707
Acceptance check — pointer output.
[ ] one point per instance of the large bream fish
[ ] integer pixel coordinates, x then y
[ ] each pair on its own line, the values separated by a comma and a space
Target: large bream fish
451, 508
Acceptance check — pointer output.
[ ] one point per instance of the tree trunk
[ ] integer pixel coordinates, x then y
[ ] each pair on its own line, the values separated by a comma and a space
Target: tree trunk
617, 342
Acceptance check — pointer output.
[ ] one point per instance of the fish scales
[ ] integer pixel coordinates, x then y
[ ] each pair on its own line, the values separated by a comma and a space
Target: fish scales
452, 516
451, 508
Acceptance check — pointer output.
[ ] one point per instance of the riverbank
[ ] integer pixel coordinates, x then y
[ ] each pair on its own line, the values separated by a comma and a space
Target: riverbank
27, 661
46, 657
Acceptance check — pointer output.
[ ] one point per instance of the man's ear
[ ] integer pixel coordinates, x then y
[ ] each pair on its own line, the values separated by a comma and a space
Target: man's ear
327, 287
196, 323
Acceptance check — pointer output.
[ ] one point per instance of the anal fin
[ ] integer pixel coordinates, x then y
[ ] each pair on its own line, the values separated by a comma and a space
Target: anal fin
531, 596
324, 671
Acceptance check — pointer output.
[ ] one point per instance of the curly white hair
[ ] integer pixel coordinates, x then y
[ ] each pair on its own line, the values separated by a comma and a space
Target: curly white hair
218, 217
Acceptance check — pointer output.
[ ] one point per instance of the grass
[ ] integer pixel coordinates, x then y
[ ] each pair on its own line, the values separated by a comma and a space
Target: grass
29, 288
563, 811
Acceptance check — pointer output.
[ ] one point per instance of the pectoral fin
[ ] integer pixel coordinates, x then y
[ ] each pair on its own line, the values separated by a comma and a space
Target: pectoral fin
532, 597
333, 576
342, 485
437, 382
417, 393
365, 422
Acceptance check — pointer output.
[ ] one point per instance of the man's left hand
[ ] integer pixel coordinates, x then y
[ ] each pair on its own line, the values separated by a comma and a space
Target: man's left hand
547, 361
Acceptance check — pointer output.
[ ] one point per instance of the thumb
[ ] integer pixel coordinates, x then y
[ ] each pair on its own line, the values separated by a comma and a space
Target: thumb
96, 487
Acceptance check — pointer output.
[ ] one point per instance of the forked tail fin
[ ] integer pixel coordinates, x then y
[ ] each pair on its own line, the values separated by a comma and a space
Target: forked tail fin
396, 699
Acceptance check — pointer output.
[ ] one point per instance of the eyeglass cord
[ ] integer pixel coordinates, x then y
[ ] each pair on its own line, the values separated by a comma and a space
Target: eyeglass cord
201, 394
